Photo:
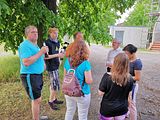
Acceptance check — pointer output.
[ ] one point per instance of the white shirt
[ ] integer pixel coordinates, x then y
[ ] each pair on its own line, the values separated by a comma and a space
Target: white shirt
112, 53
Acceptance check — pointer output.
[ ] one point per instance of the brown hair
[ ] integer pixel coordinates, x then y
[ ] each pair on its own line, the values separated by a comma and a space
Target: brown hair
78, 52
120, 69
68, 49
76, 33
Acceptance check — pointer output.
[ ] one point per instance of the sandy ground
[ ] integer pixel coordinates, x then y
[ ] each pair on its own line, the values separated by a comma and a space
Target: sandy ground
148, 97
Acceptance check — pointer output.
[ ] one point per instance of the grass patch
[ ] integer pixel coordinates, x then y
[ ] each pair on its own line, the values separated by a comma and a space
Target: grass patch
9, 69
14, 102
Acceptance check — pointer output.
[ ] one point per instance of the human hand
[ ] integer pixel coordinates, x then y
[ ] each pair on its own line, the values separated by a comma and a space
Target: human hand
44, 49
61, 55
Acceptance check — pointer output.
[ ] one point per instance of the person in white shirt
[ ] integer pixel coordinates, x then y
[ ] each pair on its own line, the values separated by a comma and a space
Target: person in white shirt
112, 53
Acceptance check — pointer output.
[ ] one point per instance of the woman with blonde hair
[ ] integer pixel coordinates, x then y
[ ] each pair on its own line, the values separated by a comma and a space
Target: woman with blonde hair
115, 89
78, 59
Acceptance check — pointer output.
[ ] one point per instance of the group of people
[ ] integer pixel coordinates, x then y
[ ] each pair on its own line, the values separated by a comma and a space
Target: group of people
118, 85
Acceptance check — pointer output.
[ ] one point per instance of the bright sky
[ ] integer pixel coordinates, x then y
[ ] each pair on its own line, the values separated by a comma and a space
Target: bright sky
124, 15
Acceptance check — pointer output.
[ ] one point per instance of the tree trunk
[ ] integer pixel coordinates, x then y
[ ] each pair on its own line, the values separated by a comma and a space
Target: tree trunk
40, 34
51, 5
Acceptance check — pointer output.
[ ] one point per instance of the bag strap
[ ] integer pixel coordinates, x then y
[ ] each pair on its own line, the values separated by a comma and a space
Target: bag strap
69, 59
83, 81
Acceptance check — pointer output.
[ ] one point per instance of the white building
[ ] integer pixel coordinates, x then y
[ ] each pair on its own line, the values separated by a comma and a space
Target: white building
130, 35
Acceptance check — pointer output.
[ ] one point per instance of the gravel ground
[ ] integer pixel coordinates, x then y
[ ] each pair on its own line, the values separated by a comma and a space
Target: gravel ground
148, 97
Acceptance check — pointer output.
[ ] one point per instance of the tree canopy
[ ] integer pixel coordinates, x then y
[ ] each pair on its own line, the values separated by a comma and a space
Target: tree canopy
140, 15
92, 17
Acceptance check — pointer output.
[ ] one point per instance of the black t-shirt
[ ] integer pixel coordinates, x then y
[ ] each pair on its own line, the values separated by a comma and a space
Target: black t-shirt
135, 65
52, 64
115, 98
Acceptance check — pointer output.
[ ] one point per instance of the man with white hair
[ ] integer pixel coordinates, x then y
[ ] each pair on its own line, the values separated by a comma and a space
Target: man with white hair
112, 53
32, 67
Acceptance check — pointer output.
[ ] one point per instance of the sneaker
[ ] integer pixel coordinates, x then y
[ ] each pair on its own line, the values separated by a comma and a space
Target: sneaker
44, 118
53, 106
57, 101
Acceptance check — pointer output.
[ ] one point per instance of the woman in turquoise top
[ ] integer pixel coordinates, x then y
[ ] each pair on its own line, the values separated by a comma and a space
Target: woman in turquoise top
79, 55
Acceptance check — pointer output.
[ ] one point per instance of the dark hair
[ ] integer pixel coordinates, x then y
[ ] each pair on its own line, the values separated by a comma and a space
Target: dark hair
130, 48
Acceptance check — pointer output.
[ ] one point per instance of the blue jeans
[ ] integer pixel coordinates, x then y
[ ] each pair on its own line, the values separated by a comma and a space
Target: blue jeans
82, 103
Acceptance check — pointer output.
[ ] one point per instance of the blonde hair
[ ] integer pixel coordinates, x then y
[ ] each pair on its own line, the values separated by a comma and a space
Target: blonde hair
52, 30
28, 28
120, 69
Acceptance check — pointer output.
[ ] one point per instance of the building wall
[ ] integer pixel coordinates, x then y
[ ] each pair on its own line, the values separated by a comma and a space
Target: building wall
156, 31
132, 35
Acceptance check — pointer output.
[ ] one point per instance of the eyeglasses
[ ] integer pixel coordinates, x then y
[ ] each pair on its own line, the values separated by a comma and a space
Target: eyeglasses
34, 32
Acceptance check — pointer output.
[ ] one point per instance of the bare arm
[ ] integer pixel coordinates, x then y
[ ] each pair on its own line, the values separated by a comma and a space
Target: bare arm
64, 72
32, 59
88, 77
51, 56
108, 63
45, 66
137, 75
60, 55
100, 93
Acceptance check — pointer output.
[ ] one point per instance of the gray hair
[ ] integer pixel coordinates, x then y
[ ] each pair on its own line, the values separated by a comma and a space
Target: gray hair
28, 28
115, 39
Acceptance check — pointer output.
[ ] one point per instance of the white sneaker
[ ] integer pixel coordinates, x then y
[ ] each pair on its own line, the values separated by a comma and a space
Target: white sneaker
44, 118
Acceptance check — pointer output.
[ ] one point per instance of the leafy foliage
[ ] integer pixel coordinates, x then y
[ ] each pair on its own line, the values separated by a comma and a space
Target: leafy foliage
4, 9
88, 16
140, 15
91, 17
23, 13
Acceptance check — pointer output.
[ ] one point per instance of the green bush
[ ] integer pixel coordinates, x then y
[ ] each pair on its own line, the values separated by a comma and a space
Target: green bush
9, 70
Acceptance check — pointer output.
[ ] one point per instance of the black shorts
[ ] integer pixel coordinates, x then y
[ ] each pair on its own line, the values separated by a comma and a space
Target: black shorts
33, 84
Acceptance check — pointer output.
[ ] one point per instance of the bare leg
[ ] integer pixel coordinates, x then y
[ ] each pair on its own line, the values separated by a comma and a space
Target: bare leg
52, 95
36, 108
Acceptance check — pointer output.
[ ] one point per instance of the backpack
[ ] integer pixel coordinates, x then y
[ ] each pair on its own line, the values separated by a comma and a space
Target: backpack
70, 85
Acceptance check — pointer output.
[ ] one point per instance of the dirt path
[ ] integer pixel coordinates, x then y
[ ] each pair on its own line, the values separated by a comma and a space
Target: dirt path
148, 98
